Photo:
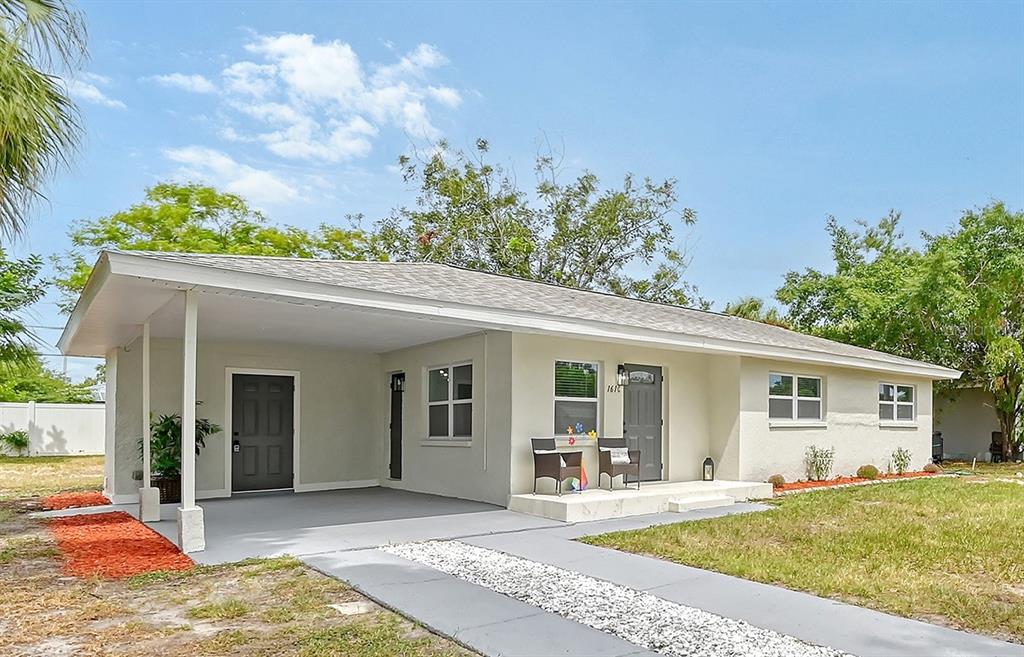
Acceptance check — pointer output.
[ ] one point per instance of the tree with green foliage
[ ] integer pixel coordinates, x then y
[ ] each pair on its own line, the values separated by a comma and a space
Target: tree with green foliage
31, 380
471, 213
755, 308
195, 219
20, 287
39, 126
958, 301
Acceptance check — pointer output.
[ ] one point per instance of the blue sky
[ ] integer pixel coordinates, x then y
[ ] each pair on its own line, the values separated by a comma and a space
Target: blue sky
772, 116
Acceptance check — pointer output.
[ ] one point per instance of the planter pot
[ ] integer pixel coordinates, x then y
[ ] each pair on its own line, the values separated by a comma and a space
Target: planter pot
169, 487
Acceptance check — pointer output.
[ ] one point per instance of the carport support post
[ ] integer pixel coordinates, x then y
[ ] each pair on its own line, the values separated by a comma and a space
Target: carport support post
149, 497
191, 530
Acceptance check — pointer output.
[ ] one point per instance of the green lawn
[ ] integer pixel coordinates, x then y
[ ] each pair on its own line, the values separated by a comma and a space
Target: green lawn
38, 476
945, 550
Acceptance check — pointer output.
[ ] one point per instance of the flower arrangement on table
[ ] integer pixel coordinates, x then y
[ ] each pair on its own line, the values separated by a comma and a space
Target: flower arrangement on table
577, 430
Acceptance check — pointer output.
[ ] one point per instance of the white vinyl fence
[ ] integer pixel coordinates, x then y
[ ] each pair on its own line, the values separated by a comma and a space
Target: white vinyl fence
56, 428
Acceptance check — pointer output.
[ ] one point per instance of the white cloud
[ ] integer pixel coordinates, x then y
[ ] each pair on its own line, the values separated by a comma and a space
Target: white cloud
250, 78
317, 72
192, 83
213, 166
321, 102
445, 95
90, 93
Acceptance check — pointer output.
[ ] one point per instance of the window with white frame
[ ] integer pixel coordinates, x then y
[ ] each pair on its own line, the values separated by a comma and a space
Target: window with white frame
450, 402
896, 403
575, 397
794, 397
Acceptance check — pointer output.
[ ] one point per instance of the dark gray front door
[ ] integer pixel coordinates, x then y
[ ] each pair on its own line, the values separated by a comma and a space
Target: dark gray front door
261, 425
397, 388
641, 417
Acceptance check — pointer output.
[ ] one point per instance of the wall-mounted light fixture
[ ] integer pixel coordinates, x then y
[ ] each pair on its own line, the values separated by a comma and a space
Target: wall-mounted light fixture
709, 469
621, 377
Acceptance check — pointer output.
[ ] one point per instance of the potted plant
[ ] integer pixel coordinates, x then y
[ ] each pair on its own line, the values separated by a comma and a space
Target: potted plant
165, 452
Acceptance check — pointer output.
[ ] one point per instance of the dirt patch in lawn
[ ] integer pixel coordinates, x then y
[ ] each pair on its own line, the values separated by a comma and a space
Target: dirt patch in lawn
259, 608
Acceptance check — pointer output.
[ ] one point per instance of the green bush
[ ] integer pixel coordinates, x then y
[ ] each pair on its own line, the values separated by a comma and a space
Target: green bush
867, 472
818, 462
777, 481
16, 441
900, 460
165, 443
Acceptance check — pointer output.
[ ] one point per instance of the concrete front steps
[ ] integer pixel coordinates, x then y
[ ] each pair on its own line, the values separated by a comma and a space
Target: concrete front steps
655, 497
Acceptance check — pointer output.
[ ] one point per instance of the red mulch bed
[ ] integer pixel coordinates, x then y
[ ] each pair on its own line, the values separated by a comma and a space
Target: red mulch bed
114, 545
74, 500
841, 481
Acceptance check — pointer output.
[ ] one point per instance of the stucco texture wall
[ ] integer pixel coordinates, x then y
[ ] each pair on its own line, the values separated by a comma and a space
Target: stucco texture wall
478, 468
338, 408
687, 407
851, 422
966, 419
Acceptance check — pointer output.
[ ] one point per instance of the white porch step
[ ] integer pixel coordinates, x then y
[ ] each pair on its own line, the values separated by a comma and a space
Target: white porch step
691, 503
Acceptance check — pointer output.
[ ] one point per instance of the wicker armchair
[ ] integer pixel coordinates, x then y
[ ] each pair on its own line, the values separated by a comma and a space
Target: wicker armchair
555, 465
613, 470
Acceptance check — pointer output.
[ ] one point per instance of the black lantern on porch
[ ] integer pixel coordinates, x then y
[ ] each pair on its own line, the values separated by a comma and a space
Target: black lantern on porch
709, 469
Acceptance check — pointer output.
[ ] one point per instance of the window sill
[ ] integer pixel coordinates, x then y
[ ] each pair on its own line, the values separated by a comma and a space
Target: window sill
444, 442
892, 424
797, 424
561, 441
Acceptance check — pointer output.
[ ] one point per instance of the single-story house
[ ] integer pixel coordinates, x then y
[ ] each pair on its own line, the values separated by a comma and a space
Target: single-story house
432, 378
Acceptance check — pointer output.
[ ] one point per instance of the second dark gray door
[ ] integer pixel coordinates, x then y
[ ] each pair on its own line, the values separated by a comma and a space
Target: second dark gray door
641, 417
262, 423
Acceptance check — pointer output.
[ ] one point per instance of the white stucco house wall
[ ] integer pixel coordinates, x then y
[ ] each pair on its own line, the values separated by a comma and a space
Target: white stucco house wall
310, 365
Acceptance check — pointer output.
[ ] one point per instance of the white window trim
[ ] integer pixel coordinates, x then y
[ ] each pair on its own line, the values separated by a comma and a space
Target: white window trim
596, 400
795, 420
451, 439
895, 403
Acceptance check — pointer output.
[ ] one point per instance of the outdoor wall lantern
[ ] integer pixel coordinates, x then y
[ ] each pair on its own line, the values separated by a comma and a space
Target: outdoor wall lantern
709, 469
621, 377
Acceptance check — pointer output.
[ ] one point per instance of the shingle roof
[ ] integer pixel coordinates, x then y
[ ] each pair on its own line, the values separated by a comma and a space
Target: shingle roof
445, 283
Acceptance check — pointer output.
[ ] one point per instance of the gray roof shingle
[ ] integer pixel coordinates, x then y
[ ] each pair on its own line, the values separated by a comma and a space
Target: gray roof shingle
445, 283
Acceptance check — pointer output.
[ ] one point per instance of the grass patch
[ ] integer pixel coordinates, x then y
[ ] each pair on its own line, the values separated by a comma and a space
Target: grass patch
39, 476
221, 610
26, 547
945, 550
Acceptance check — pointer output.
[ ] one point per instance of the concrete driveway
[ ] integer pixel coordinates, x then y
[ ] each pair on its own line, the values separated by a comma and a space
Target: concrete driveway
300, 524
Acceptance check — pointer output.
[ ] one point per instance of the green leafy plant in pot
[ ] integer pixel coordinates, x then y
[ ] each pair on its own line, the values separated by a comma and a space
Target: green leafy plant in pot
165, 452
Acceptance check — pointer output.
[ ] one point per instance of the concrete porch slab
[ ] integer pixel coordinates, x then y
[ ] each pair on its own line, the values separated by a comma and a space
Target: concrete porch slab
656, 497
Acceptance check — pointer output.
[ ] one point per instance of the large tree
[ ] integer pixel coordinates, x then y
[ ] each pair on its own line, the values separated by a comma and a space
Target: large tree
196, 219
472, 213
20, 287
31, 380
39, 127
958, 301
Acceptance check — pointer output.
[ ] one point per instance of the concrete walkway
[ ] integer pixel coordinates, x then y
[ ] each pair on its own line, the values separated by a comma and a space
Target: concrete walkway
488, 622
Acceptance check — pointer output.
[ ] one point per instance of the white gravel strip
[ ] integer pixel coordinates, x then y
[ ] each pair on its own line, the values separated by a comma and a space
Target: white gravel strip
635, 616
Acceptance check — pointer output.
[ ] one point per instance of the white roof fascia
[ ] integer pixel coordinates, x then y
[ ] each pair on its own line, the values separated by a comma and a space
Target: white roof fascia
122, 264
99, 275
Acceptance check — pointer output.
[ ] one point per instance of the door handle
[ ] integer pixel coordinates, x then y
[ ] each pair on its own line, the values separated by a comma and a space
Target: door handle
236, 446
